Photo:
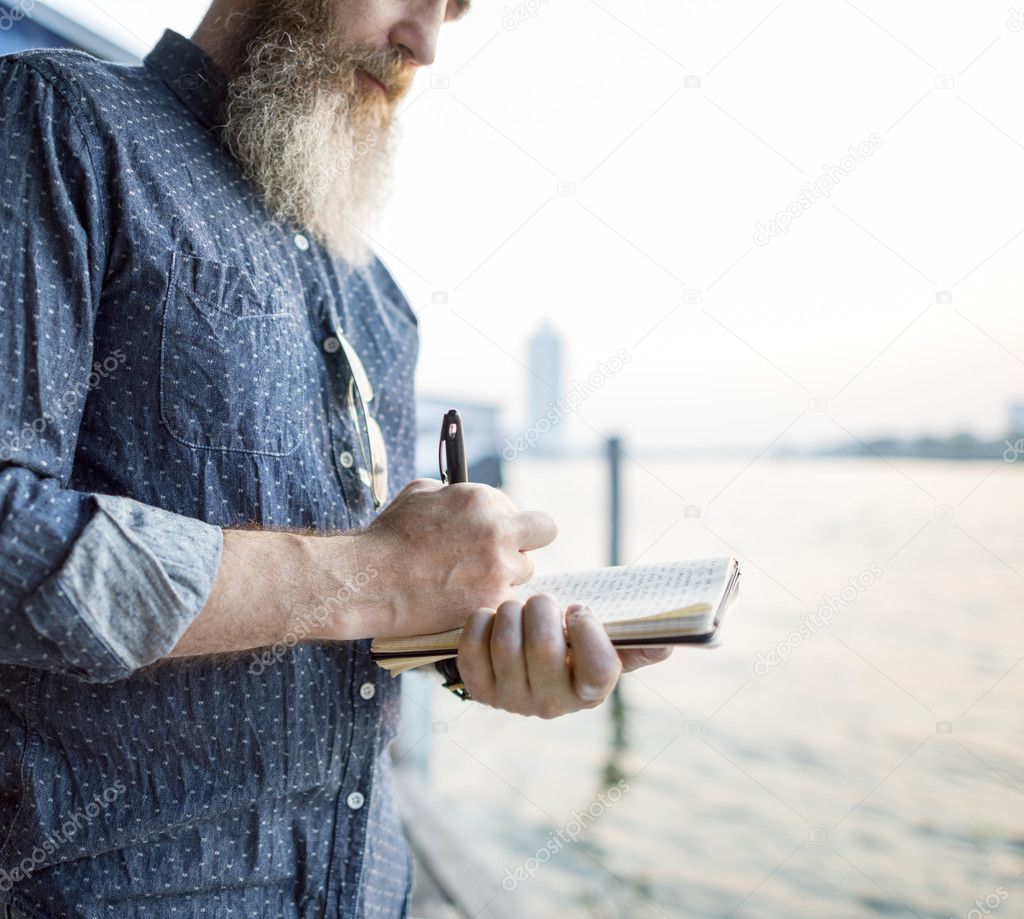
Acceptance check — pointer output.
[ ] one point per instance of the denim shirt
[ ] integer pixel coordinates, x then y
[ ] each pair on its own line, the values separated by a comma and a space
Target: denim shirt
170, 368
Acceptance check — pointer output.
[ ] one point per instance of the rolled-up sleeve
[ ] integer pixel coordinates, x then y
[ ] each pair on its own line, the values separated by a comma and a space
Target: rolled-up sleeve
91, 585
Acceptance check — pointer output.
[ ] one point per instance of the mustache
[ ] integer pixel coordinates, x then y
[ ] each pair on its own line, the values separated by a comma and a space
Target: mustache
387, 67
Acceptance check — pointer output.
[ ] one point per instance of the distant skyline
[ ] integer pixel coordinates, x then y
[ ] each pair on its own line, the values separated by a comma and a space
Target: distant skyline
545, 381
622, 169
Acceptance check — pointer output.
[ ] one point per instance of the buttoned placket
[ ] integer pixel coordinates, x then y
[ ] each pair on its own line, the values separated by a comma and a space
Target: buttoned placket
351, 811
343, 446
358, 787
354, 477
343, 882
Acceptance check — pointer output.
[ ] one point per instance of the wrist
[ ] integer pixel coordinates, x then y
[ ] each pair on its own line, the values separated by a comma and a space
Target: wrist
349, 599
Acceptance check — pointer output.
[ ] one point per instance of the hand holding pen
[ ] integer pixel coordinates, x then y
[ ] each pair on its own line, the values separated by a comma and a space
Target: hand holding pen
440, 553
526, 657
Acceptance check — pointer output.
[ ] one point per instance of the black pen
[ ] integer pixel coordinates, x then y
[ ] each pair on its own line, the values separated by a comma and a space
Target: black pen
451, 461
453, 445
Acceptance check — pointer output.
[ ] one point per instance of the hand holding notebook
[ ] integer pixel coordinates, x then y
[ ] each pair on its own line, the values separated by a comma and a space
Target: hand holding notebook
640, 606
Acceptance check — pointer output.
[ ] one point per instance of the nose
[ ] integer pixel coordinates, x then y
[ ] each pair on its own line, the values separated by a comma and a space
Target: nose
415, 33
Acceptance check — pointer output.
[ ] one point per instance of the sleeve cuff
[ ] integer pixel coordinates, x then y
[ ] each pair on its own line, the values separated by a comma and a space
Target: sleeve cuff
135, 579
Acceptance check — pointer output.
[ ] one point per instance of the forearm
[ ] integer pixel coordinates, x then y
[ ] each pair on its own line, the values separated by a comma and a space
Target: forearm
432, 557
276, 586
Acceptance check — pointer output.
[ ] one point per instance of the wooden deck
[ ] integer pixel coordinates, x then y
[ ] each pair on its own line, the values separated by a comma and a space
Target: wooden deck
450, 882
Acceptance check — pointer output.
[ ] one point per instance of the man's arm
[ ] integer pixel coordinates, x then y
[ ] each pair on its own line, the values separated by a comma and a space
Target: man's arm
91, 585
433, 557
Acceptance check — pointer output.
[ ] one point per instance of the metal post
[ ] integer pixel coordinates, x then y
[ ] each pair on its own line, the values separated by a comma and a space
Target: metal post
412, 746
615, 508
616, 704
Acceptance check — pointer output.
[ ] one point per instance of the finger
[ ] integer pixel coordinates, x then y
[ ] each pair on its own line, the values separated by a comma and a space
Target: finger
475, 654
536, 529
635, 658
507, 650
547, 671
522, 569
595, 665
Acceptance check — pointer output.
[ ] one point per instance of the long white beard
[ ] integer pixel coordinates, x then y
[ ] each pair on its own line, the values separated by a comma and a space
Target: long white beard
314, 141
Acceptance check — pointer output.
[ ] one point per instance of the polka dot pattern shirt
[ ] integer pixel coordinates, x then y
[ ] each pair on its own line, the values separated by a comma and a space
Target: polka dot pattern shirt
169, 366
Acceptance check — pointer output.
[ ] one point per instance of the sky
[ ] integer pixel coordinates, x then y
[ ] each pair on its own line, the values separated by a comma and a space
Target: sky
616, 168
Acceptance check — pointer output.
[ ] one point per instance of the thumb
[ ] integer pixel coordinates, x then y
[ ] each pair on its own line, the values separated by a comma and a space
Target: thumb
635, 658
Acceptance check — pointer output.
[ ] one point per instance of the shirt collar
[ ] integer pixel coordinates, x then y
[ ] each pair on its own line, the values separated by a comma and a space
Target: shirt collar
191, 74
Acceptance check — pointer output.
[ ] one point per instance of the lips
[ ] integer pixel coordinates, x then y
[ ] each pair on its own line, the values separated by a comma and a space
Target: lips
372, 79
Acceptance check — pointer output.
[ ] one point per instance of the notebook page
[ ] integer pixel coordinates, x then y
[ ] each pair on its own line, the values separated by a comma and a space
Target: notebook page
638, 591
624, 593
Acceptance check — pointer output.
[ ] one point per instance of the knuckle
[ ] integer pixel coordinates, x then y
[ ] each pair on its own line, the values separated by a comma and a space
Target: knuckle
472, 630
476, 497
504, 646
481, 615
509, 610
506, 703
542, 605
545, 645
548, 709
605, 679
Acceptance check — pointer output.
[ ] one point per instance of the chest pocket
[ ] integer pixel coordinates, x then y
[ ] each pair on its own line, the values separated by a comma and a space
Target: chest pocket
233, 361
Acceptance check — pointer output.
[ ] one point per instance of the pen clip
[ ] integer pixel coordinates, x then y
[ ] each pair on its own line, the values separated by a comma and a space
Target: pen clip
451, 459
440, 458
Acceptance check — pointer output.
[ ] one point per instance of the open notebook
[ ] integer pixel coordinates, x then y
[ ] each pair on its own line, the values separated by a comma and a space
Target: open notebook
640, 606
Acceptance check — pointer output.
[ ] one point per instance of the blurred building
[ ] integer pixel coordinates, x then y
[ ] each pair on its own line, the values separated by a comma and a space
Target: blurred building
546, 383
1017, 418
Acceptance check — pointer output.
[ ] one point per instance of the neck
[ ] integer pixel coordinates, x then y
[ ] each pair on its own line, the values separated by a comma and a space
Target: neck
214, 33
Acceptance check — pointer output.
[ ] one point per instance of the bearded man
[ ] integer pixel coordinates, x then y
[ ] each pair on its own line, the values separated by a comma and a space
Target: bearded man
207, 503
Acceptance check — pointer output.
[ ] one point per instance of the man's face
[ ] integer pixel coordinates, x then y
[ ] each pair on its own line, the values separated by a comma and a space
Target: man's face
313, 86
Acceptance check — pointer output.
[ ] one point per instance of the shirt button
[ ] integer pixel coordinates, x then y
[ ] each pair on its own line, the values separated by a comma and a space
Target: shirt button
367, 690
355, 800
346, 459
301, 243
331, 344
